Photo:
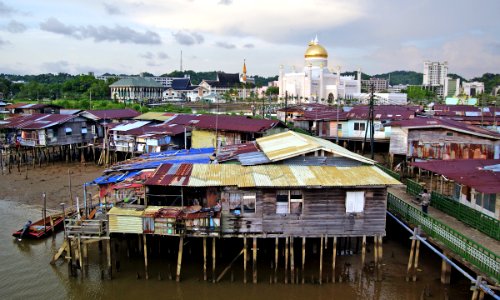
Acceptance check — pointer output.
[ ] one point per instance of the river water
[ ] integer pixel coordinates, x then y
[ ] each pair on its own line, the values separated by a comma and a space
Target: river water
25, 272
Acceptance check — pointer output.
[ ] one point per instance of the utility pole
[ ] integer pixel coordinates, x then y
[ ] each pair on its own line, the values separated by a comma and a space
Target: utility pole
286, 104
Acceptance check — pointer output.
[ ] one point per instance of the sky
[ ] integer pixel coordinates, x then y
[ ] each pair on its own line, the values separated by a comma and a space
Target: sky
133, 36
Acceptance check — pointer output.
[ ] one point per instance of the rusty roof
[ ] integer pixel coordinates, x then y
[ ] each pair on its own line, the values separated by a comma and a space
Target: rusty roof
426, 122
224, 122
203, 175
470, 172
126, 113
292, 144
36, 121
384, 112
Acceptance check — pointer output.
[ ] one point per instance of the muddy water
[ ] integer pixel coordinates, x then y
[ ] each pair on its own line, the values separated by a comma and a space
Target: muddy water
25, 271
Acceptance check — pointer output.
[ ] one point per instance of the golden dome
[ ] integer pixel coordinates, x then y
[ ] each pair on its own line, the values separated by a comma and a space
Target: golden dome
315, 50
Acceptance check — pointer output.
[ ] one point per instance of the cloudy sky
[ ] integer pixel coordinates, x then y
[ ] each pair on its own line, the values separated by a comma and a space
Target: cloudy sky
131, 36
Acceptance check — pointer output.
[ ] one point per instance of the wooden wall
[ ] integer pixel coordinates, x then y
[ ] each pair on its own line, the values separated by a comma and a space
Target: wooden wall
323, 214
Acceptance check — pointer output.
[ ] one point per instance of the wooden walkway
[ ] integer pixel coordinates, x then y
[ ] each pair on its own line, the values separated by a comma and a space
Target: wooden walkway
473, 234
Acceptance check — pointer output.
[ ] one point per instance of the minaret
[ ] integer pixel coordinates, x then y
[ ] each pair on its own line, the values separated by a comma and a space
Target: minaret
321, 82
244, 79
281, 81
359, 80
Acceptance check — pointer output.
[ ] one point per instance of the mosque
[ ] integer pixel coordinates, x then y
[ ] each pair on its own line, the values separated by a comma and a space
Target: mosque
316, 83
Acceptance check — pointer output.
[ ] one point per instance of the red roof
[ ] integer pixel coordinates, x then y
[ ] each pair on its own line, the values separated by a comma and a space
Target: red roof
469, 172
224, 122
423, 122
171, 174
323, 115
232, 151
36, 121
162, 129
126, 113
384, 112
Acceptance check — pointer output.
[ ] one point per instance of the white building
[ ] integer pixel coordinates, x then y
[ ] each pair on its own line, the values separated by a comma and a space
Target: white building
435, 77
315, 83
384, 98
473, 88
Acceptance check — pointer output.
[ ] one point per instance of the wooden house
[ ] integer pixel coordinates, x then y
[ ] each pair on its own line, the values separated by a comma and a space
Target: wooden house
471, 182
48, 130
216, 130
432, 138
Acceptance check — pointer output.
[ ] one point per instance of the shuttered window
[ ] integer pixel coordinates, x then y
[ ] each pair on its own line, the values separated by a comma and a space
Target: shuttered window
289, 202
355, 202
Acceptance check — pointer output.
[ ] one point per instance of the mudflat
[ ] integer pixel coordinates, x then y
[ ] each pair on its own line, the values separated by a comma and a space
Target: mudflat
26, 186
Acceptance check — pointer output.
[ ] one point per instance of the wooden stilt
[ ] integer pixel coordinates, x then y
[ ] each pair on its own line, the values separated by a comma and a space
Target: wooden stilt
145, 244
380, 256
64, 247
292, 261
80, 258
375, 256
85, 257
334, 257
363, 252
213, 259
475, 289
110, 270
410, 259
276, 254
415, 264
445, 272
254, 260
303, 259
229, 266
321, 260
245, 258
179, 259
204, 258
286, 260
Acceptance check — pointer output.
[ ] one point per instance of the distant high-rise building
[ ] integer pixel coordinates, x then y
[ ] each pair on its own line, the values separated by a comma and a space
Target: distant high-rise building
453, 87
379, 84
435, 77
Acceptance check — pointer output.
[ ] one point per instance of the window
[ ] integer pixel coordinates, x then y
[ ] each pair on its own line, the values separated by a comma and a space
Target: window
359, 126
242, 203
289, 202
449, 133
68, 131
84, 130
486, 201
339, 126
355, 202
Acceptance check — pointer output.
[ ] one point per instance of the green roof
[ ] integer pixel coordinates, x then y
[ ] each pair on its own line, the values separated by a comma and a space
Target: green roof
136, 81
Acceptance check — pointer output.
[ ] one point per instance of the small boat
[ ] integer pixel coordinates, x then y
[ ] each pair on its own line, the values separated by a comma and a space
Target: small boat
41, 228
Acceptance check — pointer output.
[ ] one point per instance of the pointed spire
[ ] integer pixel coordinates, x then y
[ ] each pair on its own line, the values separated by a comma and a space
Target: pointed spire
244, 75
316, 40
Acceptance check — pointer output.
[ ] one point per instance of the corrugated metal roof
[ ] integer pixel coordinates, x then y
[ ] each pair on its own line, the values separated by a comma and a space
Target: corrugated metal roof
129, 126
37, 121
137, 82
470, 172
152, 115
198, 175
224, 122
424, 122
126, 113
291, 144
127, 211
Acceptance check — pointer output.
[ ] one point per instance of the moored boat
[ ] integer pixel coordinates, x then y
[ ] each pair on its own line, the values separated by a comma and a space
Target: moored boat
41, 228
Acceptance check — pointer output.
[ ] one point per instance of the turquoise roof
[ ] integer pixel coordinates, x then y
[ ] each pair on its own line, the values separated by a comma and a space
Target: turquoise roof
137, 82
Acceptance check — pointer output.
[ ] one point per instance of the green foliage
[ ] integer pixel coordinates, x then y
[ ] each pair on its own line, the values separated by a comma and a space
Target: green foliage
272, 91
402, 77
417, 93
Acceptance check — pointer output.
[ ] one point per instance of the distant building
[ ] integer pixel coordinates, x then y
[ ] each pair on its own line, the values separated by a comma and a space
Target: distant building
379, 84
397, 88
136, 89
315, 82
473, 88
182, 90
453, 87
165, 81
435, 77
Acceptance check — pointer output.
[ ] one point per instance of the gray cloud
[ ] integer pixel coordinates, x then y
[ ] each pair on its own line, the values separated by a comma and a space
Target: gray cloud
112, 9
188, 38
120, 34
225, 45
3, 42
6, 10
249, 46
15, 27
163, 55
225, 2
147, 55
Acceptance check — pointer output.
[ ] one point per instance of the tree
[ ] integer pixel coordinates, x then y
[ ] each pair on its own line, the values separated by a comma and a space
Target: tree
272, 91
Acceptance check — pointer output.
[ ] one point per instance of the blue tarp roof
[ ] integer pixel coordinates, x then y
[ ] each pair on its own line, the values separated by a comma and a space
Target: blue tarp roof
113, 178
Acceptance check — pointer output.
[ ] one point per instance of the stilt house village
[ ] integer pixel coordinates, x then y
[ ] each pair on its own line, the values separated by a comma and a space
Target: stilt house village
317, 172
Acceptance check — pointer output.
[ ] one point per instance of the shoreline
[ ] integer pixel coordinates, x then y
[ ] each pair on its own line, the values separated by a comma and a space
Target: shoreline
53, 180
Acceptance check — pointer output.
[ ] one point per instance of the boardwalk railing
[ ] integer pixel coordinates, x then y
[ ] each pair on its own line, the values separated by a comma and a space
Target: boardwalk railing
413, 188
85, 228
483, 259
393, 174
482, 222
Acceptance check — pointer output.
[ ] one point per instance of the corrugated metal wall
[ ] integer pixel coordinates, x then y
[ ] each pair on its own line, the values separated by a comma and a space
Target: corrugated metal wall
125, 224
202, 139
